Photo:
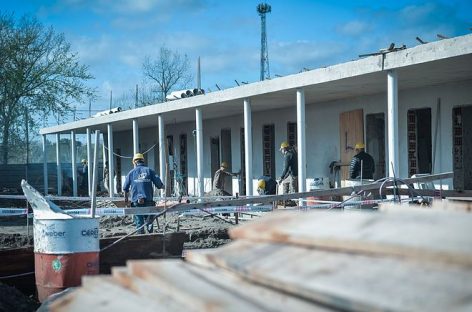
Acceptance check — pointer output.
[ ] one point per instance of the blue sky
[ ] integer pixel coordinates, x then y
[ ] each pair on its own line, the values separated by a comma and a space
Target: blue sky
113, 37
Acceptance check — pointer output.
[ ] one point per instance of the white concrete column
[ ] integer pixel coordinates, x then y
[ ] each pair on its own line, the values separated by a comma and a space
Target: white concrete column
392, 123
45, 166
135, 136
162, 152
58, 165
248, 145
73, 152
199, 128
301, 141
89, 161
111, 164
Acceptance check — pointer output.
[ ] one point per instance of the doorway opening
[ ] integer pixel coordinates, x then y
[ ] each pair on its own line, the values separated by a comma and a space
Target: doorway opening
268, 150
226, 156
170, 165
375, 142
420, 157
292, 133
214, 156
183, 176
351, 131
462, 147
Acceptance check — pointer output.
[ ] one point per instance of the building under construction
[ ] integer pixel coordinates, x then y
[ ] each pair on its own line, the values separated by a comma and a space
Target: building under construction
409, 106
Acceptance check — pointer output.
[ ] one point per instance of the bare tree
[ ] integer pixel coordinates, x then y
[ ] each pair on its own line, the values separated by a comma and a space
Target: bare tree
169, 71
145, 96
38, 72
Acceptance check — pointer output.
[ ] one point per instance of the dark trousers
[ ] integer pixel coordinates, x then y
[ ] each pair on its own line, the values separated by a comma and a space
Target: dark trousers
139, 220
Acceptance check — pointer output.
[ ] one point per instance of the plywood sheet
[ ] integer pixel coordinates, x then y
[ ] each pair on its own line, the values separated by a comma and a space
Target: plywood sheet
346, 281
431, 235
351, 131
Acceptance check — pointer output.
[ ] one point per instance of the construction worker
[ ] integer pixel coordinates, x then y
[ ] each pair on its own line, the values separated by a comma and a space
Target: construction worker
140, 180
288, 179
83, 173
266, 185
361, 160
219, 179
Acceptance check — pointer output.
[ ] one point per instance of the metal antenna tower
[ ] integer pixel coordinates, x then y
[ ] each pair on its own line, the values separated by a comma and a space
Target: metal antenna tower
262, 9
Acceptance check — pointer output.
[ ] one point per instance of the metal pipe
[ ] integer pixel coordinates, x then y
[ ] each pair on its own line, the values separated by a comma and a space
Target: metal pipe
248, 145
95, 174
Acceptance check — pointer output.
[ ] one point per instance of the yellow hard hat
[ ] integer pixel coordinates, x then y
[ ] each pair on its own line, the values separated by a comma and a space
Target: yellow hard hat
284, 145
359, 145
224, 164
261, 184
138, 156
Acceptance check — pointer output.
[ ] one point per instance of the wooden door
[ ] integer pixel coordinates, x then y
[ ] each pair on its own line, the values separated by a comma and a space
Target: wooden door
351, 131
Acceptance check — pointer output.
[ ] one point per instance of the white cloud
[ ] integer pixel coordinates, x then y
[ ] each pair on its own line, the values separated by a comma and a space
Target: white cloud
292, 56
353, 28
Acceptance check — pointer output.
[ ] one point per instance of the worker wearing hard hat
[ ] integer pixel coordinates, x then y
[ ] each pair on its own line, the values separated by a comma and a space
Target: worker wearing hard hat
139, 181
288, 179
219, 178
362, 164
266, 186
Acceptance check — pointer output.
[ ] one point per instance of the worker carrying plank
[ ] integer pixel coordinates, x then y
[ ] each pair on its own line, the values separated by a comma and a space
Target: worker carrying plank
362, 164
140, 180
219, 179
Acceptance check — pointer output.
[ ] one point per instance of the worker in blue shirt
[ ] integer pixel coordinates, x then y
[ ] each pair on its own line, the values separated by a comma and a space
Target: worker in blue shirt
140, 181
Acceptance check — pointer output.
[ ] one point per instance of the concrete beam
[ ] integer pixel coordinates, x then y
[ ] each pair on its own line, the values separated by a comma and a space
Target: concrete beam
90, 163
162, 151
111, 163
45, 165
199, 128
392, 123
58, 165
301, 140
135, 136
248, 145
73, 152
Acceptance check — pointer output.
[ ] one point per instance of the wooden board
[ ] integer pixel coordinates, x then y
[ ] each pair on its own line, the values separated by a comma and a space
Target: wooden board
101, 293
148, 246
202, 289
351, 131
346, 281
420, 234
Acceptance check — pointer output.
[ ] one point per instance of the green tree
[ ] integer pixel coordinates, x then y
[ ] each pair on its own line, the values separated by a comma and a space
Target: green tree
169, 71
38, 73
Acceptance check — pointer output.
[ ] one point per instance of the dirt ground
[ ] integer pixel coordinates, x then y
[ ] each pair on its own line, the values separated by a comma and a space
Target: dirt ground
16, 231
202, 231
11, 299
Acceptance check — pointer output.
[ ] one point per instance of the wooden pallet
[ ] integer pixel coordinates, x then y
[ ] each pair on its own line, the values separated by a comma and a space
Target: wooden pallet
393, 260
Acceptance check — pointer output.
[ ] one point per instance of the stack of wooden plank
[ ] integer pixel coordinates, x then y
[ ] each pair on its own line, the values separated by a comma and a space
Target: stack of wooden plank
393, 260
